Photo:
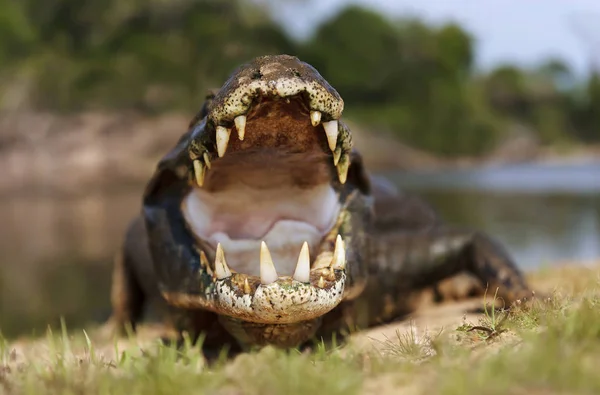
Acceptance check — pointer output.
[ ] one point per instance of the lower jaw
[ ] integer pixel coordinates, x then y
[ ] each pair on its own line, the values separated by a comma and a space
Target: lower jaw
246, 329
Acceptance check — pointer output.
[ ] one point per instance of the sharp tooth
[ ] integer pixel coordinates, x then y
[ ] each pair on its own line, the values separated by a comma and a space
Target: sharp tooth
206, 159
221, 267
222, 140
331, 274
321, 283
331, 130
302, 272
199, 172
240, 125
204, 263
342, 168
247, 288
268, 274
339, 254
315, 117
336, 155
203, 259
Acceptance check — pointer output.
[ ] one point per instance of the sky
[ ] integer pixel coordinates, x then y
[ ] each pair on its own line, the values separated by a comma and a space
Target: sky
517, 31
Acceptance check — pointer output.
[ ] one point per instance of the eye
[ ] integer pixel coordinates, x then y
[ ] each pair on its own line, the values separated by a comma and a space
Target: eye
257, 75
296, 73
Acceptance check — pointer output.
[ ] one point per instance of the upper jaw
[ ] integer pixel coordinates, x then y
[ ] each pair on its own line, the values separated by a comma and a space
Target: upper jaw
282, 76
210, 141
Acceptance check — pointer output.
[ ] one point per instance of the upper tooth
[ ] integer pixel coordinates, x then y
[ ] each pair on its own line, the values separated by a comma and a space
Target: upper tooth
302, 272
331, 130
315, 117
240, 125
342, 168
221, 268
336, 155
268, 274
199, 172
222, 140
339, 254
206, 159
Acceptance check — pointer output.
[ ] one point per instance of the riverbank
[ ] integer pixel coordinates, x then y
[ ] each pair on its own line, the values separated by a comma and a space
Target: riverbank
551, 347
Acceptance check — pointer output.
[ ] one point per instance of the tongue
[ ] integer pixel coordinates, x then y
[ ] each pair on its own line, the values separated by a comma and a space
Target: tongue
247, 213
284, 240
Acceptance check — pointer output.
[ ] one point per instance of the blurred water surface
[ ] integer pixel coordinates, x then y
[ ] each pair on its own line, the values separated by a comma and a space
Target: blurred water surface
543, 213
56, 253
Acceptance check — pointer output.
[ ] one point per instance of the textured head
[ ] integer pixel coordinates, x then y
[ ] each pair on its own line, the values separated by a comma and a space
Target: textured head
274, 76
257, 213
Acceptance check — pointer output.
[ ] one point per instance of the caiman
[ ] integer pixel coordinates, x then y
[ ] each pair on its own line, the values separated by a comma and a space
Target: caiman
262, 225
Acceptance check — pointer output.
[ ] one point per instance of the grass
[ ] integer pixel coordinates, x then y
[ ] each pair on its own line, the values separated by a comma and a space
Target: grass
72, 365
558, 355
550, 347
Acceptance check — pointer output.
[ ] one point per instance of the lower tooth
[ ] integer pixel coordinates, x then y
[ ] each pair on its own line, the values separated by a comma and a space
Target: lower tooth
204, 262
268, 274
331, 275
321, 283
302, 272
221, 268
339, 254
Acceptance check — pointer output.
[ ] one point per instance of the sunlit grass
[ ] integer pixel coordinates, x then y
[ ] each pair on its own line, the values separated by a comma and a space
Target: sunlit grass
551, 346
560, 355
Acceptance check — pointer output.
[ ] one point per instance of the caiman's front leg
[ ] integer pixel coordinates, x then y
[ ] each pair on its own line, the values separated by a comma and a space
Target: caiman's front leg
412, 261
410, 249
404, 263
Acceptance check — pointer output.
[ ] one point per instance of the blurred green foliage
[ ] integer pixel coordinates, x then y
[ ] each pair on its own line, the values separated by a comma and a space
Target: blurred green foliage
402, 76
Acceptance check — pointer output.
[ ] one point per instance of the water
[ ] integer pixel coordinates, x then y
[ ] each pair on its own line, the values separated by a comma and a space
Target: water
56, 253
543, 213
56, 258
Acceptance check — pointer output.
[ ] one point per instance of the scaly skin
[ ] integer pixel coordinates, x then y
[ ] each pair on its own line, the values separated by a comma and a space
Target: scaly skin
285, 169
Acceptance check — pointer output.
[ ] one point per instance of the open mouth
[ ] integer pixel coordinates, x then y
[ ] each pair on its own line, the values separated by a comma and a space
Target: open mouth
265, 208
